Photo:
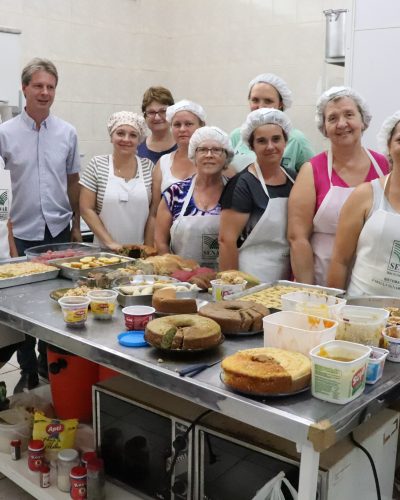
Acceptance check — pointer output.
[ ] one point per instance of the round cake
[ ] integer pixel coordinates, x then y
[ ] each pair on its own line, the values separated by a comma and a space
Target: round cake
183, 331
267, 370
236, 316
165, 301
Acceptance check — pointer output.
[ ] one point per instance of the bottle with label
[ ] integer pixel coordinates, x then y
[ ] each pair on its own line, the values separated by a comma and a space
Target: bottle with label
66, 460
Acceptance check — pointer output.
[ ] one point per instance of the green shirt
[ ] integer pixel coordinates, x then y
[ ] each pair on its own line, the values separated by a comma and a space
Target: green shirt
298, 150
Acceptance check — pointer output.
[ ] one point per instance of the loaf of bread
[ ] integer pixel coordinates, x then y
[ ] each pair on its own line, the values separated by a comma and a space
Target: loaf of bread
165, 301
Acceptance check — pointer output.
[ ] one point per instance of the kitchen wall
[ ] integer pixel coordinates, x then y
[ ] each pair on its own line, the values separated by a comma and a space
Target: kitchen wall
109, 51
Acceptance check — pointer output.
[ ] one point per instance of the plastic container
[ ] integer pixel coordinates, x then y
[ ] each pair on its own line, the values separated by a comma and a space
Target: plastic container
360, 324
44, 253
376, 363
95, 479
35, 454
325, 306
338, 380
137, 317
221, 290
75, 310
296, 331
102, 303
391, 336
78, 483
66, 460
16, 423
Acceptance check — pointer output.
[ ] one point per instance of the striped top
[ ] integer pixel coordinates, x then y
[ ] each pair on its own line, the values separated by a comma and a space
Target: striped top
95, 176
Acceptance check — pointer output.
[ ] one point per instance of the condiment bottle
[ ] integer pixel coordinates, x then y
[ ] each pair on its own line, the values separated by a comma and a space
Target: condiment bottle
87, 457
35, 454
44, 476
95, 479
66, 460
15, 449
78, 483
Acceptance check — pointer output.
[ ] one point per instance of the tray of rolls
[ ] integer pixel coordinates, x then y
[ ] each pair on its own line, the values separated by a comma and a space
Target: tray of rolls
269, 294
76, 267
21, 272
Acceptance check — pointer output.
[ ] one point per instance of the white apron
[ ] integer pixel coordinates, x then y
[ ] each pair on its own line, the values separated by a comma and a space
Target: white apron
5, 206
326, 221
376, 269
196, 236
125, 207
265, 253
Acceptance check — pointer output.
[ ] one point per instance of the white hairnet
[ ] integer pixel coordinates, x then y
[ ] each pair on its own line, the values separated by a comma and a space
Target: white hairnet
186, 105
210, 134
128, 118
263, 116
386, 130
336, 92
278, 83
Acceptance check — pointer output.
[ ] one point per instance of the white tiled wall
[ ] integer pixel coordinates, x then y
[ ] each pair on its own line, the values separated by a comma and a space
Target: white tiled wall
109, 51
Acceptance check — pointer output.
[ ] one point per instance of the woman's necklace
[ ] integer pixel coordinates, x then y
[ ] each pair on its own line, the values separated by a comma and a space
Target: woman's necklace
126, 178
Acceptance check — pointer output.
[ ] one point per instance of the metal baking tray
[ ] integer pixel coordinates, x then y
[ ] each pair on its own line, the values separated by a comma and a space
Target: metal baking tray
144, 279
374, 301
146, 300
24, 280
75, 274
337, 292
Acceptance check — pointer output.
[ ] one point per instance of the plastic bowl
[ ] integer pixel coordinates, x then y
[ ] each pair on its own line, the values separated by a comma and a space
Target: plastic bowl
360, 324
102, 303
221, 290
137, 317
75, 310
44, 253
296, 331
376, 362
335, 380
326, 306
391, 336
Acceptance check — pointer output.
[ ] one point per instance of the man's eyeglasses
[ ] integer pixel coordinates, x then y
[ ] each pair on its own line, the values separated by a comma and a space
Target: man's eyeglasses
152, 114
214, 151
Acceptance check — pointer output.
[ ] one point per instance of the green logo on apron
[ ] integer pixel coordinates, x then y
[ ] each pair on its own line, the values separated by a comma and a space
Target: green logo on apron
210, 248
394, 261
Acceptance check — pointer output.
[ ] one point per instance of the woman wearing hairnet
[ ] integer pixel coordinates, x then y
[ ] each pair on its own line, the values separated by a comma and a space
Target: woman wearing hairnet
270, 91
325, 183
369, 228
252, 235
184, 117
189, 213
116, 189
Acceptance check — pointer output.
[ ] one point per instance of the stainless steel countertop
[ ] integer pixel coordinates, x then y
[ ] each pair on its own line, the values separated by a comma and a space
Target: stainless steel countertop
28, 308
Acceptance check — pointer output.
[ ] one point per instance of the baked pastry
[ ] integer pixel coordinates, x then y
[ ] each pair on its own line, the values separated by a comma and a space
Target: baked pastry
236, 316
137, 251
183, 331
166, 264
267, 370
165, 301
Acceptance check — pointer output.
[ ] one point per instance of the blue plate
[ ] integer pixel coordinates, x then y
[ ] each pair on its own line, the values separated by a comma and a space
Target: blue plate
132, 338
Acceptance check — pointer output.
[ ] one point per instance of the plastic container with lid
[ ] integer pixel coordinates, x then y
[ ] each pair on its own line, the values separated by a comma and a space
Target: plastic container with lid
360, 324
296, 331
88, 456
318, 304
339, 370
95, 479
222, 290
44, 253
75, 310
391, 336
376, 363
66, 460
35, 454
78, 483
16, 423
102, 303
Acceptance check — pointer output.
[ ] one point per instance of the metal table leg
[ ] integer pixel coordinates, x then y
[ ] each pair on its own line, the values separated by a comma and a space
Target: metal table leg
309, 464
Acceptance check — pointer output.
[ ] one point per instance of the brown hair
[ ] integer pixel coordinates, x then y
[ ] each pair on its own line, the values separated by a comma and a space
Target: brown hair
38, 64
159, 94
251, 137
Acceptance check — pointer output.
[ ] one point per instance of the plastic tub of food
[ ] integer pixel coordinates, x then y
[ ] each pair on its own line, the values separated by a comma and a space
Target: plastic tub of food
360, 324
338, 371
221, 290
75, 310
376, 362
102, 303
318, 304
296, 331
15, 423
44, 253
137, 317
391, 336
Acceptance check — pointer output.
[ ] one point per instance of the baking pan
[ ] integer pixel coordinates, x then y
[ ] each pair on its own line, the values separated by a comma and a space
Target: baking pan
146, 300
24, 280
75, 274
374, 301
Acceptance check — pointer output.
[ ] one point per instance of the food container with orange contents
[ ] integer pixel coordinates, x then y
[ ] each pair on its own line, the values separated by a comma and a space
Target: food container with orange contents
75, 310
318, 304
391, 336
296, 331
339, 370
102, 303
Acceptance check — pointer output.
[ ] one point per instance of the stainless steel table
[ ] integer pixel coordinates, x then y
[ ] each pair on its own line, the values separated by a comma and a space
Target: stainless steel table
312, 424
